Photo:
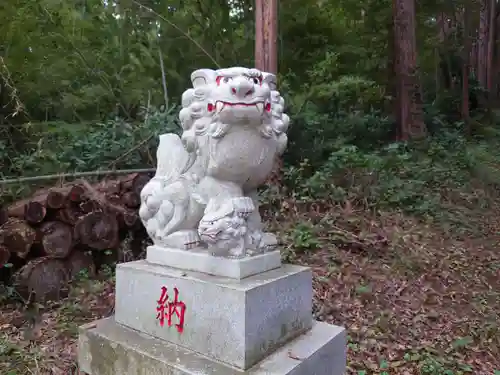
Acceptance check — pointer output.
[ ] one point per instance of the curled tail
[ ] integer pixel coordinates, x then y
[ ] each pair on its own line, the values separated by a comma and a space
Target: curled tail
159, 200
172, 158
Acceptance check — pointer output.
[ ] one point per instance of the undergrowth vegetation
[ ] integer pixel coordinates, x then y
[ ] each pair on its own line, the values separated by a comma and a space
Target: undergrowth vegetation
338, 153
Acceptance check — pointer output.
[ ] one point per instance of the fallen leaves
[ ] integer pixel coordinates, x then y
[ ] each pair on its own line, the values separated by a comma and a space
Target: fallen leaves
414, 303
48, 347
418, 303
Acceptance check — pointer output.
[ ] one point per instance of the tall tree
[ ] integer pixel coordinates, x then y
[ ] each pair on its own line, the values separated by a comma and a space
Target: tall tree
408, 102
492, 10
467, 46
486, 45
482, 43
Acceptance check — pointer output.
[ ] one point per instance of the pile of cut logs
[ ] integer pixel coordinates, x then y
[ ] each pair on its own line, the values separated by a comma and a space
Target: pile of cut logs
48, 239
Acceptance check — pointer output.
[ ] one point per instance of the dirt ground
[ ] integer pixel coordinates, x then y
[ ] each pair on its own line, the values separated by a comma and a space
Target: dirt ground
414, 300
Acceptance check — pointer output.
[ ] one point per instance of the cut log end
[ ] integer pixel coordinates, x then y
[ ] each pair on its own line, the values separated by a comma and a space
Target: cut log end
57, 239
98, 230
77, 193
34, 212
46, 277
131, 199
57, 198
18, 236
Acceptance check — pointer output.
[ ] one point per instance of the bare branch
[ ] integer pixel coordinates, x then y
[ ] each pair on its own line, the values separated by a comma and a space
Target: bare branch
75, 175
163, 78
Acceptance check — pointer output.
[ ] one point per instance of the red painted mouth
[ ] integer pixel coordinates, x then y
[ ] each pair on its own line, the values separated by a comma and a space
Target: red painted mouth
220, 105
212, 236
238, 103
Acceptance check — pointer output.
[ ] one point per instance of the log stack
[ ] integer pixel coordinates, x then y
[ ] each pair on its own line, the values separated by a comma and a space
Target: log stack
48, 239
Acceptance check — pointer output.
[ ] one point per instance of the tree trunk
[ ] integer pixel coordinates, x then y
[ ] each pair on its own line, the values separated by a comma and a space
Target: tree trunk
408, 106
482, 43
491, 48
391, 87
466, 70
495, 63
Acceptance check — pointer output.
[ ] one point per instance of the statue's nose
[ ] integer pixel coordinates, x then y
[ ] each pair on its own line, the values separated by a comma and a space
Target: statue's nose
241, 87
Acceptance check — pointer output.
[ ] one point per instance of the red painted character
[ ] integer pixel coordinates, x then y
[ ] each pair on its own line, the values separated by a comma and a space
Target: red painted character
168, 308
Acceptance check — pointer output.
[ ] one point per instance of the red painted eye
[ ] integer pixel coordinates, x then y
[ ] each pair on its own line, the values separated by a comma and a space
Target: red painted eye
255, 80
210, 107
268, 107
220, 79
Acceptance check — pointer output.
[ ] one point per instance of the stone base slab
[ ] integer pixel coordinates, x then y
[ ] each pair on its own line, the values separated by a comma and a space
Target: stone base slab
237, 322
107, 348
201, 261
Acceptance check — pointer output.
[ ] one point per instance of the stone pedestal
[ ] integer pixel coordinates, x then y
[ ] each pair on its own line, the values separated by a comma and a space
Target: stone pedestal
250, 316
218, 266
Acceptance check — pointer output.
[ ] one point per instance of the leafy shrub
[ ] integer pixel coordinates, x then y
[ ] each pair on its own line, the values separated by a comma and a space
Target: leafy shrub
332, 113
65, 148
427, 180
315, 136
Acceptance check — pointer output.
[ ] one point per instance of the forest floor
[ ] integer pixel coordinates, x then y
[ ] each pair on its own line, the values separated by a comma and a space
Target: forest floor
415, 300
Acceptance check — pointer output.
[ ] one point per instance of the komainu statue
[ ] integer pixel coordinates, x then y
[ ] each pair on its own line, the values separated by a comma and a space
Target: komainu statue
204, 192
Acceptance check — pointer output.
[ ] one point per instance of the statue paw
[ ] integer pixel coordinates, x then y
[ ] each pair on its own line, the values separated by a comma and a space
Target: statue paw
184, 240
269, 242
219, 129
261, 242
237, 252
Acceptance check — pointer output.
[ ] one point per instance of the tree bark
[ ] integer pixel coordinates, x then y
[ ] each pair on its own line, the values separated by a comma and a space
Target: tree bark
491, 48
408, 106
466, 71
482, 43
266, 35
